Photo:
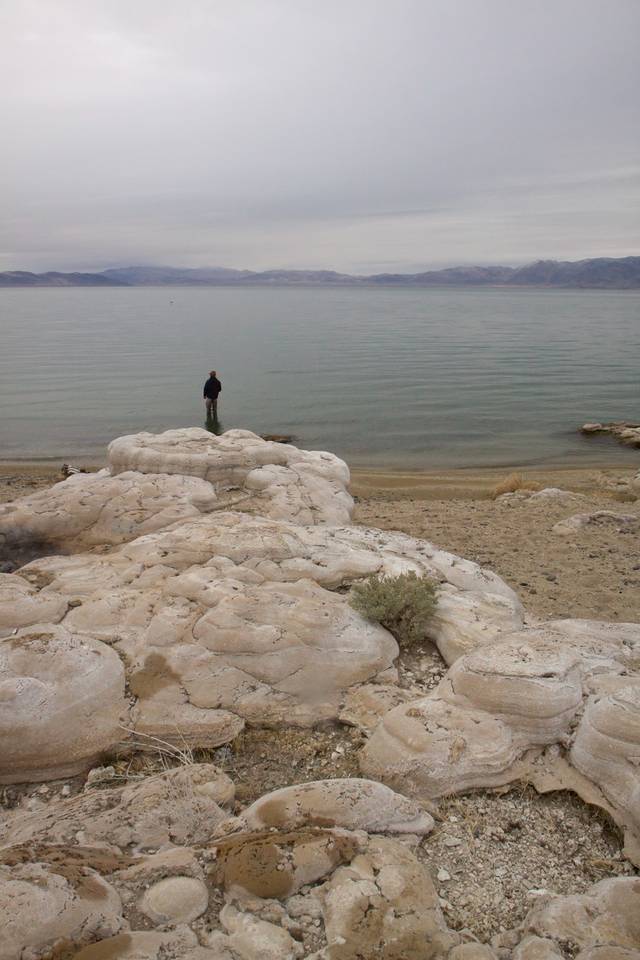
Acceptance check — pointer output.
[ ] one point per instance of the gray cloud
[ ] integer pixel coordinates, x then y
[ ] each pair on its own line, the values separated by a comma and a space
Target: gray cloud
353, 134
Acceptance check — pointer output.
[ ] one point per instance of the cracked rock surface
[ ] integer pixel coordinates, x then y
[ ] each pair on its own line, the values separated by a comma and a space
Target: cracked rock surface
227, 618
199, 586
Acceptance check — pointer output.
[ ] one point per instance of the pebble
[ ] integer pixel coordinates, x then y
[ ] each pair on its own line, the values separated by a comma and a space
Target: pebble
443, 875
99, 775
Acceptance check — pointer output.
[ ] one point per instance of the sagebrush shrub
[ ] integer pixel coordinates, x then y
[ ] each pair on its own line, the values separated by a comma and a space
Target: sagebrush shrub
403, 604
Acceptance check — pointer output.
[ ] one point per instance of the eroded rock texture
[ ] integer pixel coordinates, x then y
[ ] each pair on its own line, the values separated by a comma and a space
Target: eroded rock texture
304, 891
274, 479
570, 683
62, 702
354, 804
200, 584
182, 806
227, 618
627, 433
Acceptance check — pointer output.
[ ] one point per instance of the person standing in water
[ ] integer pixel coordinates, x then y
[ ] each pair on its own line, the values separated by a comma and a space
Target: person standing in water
210, 393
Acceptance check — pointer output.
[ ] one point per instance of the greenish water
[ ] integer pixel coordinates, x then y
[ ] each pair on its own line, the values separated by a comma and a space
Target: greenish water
383, 377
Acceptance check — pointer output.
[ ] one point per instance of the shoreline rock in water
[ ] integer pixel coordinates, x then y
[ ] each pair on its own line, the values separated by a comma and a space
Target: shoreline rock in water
200, 584
627, 433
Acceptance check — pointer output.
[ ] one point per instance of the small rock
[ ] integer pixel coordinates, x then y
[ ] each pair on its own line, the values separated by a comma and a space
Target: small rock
175, 900
100, 775
452, 841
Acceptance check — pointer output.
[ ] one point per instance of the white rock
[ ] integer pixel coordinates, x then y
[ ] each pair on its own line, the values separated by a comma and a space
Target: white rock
354, 804
607, 913
254, 939
61, 703
40, 907
175, 900
554, 493
606, 745
179, 944
89, 509
600, 518
21, 605
383, 905
499, 706
179, 806
283, 482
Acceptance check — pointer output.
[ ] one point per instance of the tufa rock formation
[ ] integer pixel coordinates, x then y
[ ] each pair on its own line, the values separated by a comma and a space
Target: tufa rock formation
200, 584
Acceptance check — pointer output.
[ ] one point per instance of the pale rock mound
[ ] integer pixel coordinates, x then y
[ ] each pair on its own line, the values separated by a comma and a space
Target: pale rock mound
492, 716
155, 480
353, 804
370, 894
21, 605
207, 618
277, 864
183, 805
627, 433
42, 904
249, 937
175, 900
178, 944
62, 703
555, 494
383, 905
606, 916
274, 479
228, 618
605, 749
90, 509
600, 518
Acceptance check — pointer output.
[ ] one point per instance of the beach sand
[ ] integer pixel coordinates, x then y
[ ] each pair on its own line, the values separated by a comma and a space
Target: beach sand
594, 573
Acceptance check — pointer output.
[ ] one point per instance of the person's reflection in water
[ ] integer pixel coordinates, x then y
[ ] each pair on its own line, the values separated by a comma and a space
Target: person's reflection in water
213, 425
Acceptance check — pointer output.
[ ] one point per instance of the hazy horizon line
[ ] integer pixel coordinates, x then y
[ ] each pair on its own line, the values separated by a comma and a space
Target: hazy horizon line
433, 267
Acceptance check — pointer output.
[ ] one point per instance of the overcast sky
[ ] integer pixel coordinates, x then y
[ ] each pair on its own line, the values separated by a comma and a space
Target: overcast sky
361, 135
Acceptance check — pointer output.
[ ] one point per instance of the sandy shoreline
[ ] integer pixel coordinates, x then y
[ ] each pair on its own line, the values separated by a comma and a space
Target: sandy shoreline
395, 482
478, 482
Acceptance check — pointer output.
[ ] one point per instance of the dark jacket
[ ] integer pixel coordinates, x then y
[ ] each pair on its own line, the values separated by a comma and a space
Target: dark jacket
212, 388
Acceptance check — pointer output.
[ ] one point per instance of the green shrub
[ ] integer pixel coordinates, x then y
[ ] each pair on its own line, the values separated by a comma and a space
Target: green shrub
403, 604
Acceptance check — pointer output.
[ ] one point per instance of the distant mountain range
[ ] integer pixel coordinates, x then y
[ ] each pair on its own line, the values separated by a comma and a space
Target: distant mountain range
621, 273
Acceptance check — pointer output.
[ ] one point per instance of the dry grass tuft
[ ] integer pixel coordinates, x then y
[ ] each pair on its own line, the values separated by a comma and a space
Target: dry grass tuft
512, 483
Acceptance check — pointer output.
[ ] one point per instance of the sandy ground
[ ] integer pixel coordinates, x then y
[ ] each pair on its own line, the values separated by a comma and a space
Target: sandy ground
19, 479
593, 574
519, 843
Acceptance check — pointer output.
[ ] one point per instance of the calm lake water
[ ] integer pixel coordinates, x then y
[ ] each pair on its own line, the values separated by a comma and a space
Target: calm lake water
383, 377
